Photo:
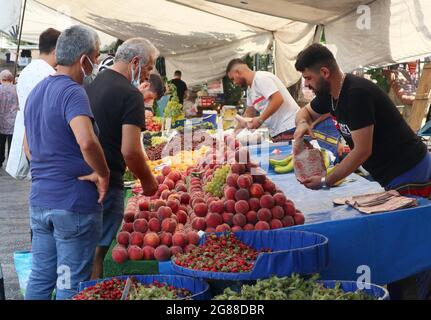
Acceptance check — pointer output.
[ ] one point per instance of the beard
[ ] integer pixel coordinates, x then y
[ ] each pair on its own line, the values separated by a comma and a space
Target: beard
323, 87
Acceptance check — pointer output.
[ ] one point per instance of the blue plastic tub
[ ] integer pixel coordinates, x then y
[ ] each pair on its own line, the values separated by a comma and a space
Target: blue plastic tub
199, 288
293, 251
352, 286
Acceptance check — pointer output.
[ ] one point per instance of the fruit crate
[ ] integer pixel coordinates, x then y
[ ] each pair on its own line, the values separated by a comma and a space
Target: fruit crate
198, 288
292, 252
351, 286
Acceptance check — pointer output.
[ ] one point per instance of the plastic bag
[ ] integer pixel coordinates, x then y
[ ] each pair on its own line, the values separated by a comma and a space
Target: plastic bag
308, 161
23, 262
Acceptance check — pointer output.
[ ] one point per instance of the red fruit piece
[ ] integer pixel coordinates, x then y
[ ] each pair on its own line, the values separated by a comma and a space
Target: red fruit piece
248, 227
148, 252
238, 168
256, 190
179, 239
262, 225
280, 199
276, 224
176, 250
166, 239
230, 206
144, 205
128, 227
166, 170
244, 181
193, 238
129, 216
189, 248
251, 217
232, 180
169, 225
277, 212
269, 186
140, 225
164, 212
228, 218
162, 253
123, 238
185, 198
299, 218
242, 207
159, 203
236, 229
213, 220
239, 220
254, 204
137, 239
174, 205
229, 193
267, 201
200, 209
151, 239
135, 253
154, 225
119, 254
242, 194
181, 216
288, 221
264, 214
289, 208
217, 207
223, 228
199, 223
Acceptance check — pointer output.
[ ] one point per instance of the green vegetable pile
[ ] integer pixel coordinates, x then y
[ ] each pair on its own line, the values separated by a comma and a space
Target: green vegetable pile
157, 291
291, 288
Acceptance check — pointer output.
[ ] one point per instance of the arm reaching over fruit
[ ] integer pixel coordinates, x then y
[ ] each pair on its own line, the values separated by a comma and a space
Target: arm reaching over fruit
304, 119
275, 102
135, 159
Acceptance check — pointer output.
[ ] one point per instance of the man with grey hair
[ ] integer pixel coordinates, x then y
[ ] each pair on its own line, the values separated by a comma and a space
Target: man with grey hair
8, 110
70, 175
119, 110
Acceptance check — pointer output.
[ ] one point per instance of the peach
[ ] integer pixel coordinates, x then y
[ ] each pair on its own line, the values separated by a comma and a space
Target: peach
164, 212
185, 198
123, 238
169, 183
166, 238
229, 193
159, 203
166, 170
251, 217
179, 239
256, 190
277, 212
289, 208
217, 207
280, 199
248, 227
267, 201
151, 239
128, 226
189, 248
230, 206
140, 225
269, 186
199, 223
242, 194
119, 254
136, 238
176, 250
148, 253
174, 205
262, 225
135, 253
193, 237
238, 168
264, 214
254, 204
276, 224
232, 180
236, 229
200, 209
223, 228
244, 181
154, 225
239, 220
213, 220
299, 218
181, 216
162, 253
288, 221
242, 207
144, 205
169, 225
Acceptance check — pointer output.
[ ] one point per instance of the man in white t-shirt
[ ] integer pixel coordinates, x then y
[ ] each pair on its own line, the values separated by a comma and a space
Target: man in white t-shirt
35, 72
268, 100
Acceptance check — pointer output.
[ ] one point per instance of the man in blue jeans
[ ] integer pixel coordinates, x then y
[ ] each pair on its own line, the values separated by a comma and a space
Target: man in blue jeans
70, 175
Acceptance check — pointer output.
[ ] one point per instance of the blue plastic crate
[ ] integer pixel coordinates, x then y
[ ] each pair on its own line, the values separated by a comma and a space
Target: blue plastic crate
352, 286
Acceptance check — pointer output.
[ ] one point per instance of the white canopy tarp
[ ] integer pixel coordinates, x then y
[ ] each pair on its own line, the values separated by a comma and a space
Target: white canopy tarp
200, 37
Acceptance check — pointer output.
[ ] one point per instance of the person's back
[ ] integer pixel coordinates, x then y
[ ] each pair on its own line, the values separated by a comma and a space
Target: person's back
57, 160
8, 108
114, 103
180, 85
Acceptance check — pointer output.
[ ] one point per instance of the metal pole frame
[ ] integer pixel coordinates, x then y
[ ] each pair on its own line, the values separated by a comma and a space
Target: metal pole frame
19, 39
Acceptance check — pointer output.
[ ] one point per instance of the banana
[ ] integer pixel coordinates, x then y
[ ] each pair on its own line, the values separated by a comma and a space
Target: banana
284, 169
329, 170
282, 162
326, 159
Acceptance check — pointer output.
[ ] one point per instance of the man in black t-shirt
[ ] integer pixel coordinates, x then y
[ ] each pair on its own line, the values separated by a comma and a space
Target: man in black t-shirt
380, 140
119, 111
180, 85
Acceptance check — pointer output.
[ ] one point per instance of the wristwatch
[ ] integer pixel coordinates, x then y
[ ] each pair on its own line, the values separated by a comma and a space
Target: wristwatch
323, 183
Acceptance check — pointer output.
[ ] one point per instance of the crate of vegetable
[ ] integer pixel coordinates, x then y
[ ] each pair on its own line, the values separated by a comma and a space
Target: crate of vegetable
254, 255
149, 287
298, 288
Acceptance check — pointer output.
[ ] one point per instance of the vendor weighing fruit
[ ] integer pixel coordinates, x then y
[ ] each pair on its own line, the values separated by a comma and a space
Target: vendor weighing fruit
380, 139
268, 100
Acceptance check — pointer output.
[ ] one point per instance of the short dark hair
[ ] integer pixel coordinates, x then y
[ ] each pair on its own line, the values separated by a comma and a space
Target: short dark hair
233, 63
48, 40
315, 57
157, 85
177, 73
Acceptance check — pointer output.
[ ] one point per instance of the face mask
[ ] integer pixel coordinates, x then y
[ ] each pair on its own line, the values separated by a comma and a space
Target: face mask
136, 82
89, 78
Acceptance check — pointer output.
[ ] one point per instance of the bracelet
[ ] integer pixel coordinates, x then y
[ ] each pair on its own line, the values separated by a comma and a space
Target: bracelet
323, 183
260, 121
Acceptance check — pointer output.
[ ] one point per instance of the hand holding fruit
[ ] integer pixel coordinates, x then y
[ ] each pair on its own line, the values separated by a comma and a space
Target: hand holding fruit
150, 186
254, 123
302, 129
313, 182
102, 184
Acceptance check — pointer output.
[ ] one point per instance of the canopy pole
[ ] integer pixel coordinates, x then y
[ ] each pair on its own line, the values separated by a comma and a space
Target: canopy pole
19, 39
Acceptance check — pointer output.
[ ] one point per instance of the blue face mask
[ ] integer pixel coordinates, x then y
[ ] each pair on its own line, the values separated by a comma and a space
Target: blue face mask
136, 82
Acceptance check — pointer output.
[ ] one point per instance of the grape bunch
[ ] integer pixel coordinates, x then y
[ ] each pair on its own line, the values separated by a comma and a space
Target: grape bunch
215, 186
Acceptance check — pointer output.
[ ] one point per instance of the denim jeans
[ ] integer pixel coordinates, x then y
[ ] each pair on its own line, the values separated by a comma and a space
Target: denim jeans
113, 212
63, 249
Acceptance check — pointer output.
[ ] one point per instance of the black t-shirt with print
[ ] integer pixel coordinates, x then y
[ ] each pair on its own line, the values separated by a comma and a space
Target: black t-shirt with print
115, 102
396, 148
